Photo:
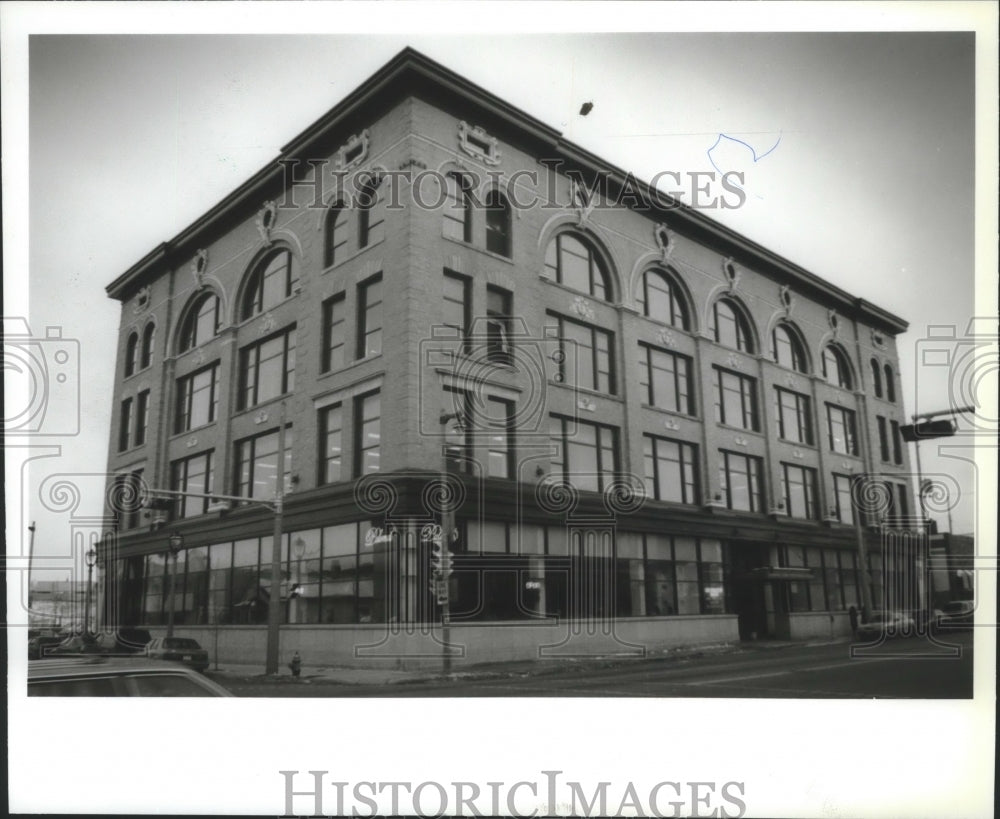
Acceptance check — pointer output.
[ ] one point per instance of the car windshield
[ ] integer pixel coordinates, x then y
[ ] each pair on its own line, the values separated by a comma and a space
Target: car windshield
180, 642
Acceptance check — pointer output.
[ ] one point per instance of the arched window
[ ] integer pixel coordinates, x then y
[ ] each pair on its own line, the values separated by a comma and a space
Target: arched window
131, 352
457, 208
497, 223
272, 281
201, 323
661, 299
147, 345
334, 234
890, 385
731, 327
571, 262
836, 370
371, 211
877, 378
787, 350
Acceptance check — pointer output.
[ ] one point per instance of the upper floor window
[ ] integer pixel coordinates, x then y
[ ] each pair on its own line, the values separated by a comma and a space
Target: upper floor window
497, 223
844, 511
335, 234
671, 469
125, 425
272, 281
457, 208
334, 315
793, 416
367, 433
500, 462
843, 429
877, 378
798, 485
586, 454
742, 480
897, 443
146, 358
787, 350
194, 474
883, 437
201, 323
141, 417
267, 369
131, 354
586, 356
371, 211
458, 447
331, 423
890, 385
499, 309
736, 400
730, 326
257, 464
370, 317
666, 377
575, 264
457, 307
836, 370
659, 298
197, 399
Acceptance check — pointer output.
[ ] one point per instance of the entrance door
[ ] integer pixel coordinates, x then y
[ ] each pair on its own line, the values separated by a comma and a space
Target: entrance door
749, 600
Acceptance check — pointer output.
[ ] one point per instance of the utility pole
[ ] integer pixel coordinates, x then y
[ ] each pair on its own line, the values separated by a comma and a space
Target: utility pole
274, 604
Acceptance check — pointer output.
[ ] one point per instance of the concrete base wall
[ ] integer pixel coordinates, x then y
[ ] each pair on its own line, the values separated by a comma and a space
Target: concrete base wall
377, 646
814, 625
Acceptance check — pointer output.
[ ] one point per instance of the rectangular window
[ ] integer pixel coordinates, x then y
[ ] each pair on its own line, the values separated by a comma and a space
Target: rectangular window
900, 503
793, 415
501, 438
125, 425
371, 214
742, 480
457, 310
499, 309
194, 474
842, 425
333, 332
128, 491
798, 485
141, 417
458, 431
883, 438
267, 369
666, 379
586, 454
197, 399
736, 400
842, 494
897, 443
257, 465
331, 423
586, 356
368, 433
671, 469
370, 317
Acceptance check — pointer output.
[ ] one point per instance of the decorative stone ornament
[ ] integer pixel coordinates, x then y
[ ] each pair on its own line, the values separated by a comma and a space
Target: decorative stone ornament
266, 218
739, 440
878, 340
353, 152
191, 442
141, 300
474, 141
260, 418
797, 453
671, 424
267, 325
733, 361
198, 267
834, 321
581, 308
664, 238
666, 337
582, 201
785, 299
732, 274
199, 356
586, 404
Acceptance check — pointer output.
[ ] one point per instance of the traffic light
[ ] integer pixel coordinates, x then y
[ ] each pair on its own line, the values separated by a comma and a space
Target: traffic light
928, 429
441, 559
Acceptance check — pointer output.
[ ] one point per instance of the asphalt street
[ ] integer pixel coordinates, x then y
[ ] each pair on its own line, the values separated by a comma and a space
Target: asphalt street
900, 668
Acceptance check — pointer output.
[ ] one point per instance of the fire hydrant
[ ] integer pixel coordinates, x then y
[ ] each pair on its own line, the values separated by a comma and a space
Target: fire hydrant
296, 664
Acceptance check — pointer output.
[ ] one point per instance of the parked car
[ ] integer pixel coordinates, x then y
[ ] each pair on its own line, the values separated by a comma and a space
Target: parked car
105, 676
887, 623
179, 649
41, 644
958, 614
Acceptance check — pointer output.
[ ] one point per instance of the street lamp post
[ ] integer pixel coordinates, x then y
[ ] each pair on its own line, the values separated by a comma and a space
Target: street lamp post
299, 546
174, 544
91, 558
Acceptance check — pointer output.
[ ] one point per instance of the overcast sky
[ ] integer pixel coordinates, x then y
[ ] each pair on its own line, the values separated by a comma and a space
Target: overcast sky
869, 183
870, 186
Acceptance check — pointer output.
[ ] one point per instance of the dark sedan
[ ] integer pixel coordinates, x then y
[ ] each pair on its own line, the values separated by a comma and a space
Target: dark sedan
179, 649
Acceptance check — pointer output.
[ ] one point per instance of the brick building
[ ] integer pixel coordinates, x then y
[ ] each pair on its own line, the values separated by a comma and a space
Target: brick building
649, 423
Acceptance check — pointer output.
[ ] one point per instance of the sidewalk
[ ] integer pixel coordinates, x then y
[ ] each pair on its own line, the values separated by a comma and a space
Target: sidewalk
515, 668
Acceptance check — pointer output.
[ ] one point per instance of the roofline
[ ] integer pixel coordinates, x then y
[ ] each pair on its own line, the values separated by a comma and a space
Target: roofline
420, 69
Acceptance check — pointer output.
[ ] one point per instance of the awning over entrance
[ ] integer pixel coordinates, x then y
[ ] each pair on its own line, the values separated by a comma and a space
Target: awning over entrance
779, 573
